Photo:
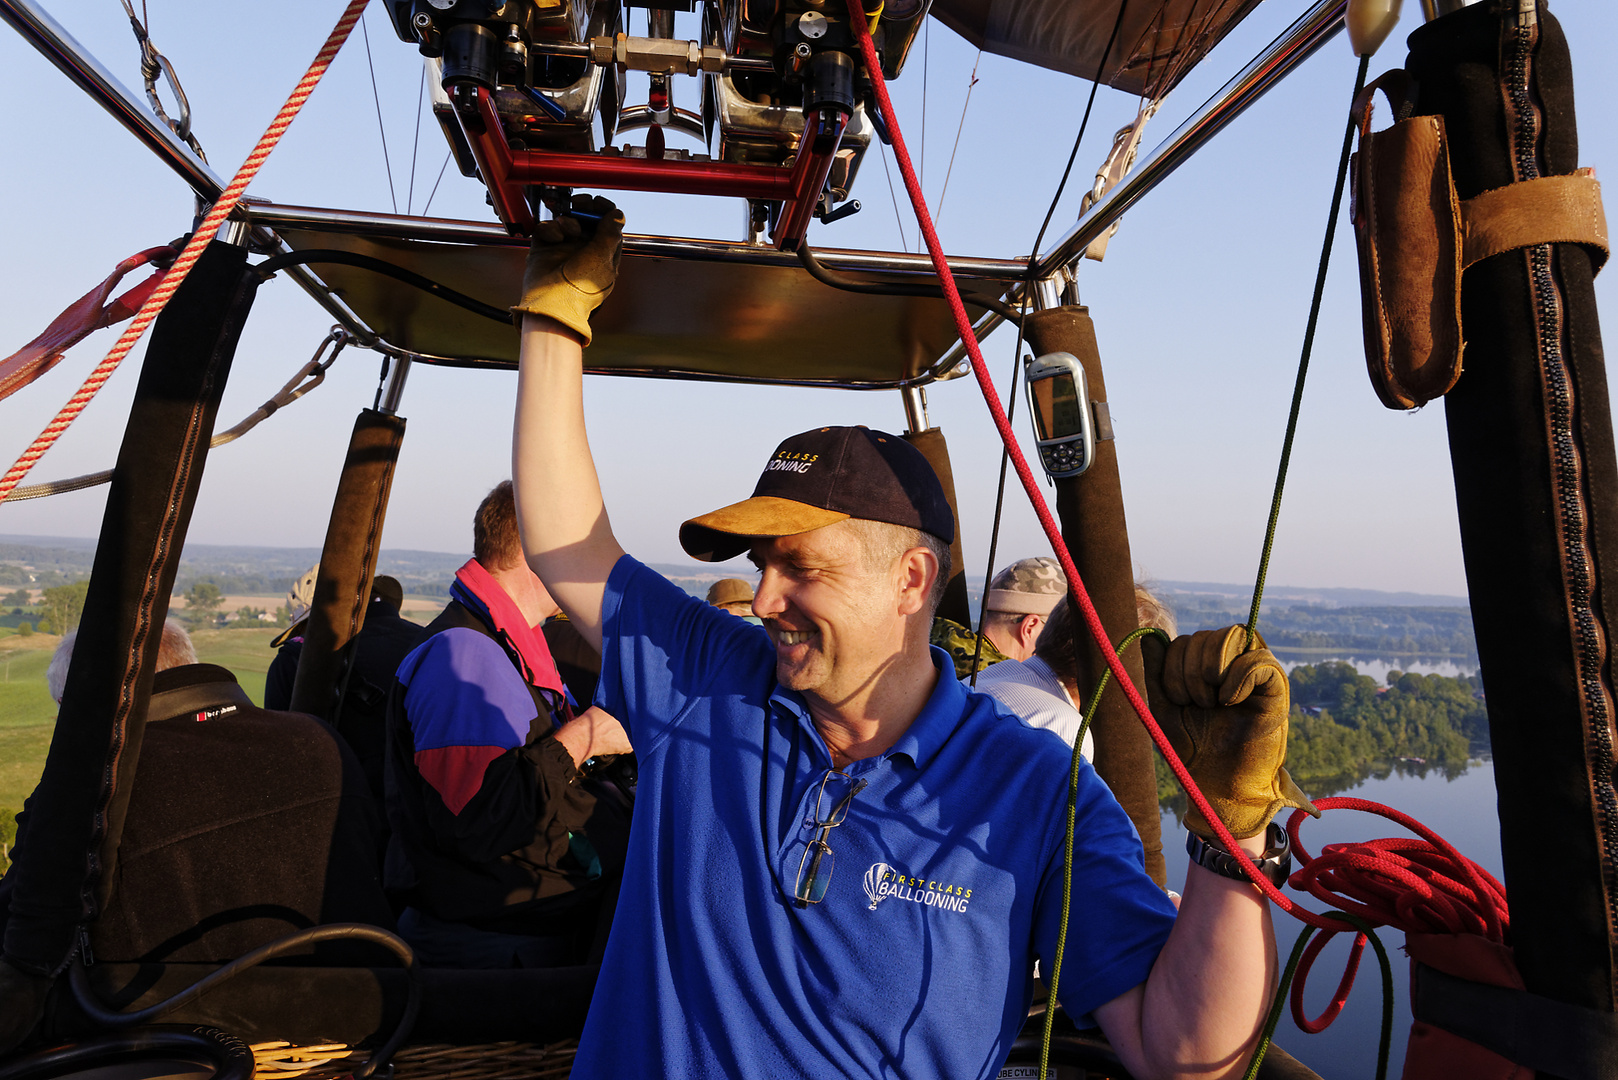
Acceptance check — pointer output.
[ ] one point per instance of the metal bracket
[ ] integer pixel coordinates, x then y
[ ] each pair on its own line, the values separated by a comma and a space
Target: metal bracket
1103, 423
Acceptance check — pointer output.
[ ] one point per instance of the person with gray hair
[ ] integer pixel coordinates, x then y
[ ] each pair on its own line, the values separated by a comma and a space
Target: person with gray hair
173, 650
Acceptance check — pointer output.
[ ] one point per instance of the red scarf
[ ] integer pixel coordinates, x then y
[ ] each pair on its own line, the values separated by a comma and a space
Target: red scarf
483, 595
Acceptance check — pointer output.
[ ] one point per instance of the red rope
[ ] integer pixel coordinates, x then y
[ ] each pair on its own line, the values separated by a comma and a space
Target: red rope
200, 239
1053, 531
1420, 886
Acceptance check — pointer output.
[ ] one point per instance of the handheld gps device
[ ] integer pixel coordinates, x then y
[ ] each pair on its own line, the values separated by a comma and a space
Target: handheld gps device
1060, 403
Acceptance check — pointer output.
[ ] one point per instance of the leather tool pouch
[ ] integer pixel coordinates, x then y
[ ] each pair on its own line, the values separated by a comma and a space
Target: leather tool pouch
1415, 239
1407, 226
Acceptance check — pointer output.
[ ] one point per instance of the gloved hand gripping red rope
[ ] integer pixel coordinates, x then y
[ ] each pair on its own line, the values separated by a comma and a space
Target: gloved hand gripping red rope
1408, 881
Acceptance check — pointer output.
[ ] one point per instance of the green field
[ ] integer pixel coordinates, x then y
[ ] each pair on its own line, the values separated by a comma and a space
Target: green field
28, 715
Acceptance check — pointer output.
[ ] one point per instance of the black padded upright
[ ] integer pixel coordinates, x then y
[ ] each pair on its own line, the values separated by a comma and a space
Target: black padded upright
1536, 486
68, 839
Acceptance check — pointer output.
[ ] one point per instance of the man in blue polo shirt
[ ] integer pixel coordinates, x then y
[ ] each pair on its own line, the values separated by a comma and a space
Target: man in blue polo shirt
844, 862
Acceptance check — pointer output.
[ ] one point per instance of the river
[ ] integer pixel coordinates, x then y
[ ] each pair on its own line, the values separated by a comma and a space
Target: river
1377, 667
1462, 811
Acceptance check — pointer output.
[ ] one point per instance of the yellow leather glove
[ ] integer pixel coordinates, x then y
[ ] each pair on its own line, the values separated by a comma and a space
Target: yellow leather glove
1225, 712
568, 275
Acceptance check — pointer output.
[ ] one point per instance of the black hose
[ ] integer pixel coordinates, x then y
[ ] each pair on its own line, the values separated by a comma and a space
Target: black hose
85, 994
892, 288
380, 266
231, 1058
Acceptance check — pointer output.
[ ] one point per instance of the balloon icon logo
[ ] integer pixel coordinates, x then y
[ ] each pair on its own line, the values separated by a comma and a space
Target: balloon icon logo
873, 882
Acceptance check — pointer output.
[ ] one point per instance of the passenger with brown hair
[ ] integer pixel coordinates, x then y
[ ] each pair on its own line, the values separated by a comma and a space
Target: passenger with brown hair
505, 843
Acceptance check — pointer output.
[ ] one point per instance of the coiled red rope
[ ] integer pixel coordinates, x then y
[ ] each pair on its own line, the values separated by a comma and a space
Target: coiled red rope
1422, 885
200, 239
1419, 885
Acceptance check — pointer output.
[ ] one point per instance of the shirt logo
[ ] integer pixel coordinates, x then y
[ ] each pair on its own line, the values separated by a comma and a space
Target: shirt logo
883, 881
873, 882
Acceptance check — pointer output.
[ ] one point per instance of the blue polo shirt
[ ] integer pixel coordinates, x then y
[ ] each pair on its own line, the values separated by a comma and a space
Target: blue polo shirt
945, 876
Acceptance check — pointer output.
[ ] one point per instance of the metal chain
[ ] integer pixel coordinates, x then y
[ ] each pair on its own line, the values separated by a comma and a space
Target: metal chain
308, 377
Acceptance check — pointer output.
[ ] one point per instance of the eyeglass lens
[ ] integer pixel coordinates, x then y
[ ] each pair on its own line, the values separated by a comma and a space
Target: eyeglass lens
814, 873
814, 869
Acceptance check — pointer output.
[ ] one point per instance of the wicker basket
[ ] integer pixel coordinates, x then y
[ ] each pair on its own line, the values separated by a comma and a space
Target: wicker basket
491, 1061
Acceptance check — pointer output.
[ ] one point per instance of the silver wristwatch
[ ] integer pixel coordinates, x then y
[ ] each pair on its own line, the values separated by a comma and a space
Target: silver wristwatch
1275, 864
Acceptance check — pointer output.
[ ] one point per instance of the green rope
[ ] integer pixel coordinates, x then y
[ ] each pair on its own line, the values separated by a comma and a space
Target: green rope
1274, 1018
1252, 629
1386, 1040
1067, 851
1303, 360
1280, 1002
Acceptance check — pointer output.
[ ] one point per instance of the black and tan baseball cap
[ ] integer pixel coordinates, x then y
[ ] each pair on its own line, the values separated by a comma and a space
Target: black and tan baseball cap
819, 478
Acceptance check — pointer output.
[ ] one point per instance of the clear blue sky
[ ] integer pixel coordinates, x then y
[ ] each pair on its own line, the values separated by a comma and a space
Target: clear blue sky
1200, 305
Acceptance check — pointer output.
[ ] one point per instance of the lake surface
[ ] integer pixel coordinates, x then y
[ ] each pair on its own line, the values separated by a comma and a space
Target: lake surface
1462, 811
1377, 667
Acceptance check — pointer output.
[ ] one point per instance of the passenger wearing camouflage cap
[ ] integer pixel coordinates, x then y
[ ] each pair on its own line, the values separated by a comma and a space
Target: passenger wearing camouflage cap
1020, 600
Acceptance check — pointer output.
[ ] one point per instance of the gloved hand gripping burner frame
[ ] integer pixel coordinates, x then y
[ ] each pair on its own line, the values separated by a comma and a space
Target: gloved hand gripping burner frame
568, 274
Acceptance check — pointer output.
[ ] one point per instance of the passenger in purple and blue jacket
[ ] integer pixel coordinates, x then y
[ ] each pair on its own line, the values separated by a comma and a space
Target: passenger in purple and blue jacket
504, 853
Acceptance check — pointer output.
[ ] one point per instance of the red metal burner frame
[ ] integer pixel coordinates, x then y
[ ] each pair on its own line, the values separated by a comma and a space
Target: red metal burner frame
505, 171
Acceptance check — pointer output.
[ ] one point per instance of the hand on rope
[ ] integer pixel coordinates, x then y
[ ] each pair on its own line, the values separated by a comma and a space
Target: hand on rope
1225, 709
1053, 532
1319, 876
1086, 608
308, 377
204, 235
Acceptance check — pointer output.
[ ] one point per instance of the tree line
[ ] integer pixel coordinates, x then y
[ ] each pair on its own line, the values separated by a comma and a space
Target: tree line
1345, 727
1378, 630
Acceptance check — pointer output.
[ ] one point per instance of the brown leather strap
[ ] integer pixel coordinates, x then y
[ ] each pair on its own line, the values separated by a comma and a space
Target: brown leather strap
1549, 210
1395, 86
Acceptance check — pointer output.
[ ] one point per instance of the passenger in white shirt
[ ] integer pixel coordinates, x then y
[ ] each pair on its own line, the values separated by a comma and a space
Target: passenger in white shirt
1043, 689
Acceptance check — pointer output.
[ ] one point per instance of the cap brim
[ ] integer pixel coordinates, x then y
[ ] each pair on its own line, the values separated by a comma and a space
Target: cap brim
731, 530
290, 632
1014, 602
